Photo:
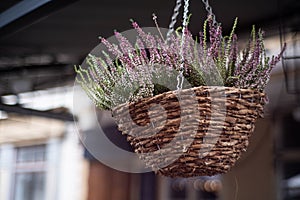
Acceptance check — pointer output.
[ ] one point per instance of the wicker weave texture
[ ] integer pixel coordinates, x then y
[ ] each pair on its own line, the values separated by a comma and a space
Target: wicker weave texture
200, 131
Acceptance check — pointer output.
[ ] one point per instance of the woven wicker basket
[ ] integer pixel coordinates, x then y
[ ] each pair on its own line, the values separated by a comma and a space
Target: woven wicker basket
213, 146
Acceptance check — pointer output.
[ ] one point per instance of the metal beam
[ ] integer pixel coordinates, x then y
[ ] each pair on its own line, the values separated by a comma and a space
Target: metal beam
19, 10
37, 69
40, 76
27, 12
47, 114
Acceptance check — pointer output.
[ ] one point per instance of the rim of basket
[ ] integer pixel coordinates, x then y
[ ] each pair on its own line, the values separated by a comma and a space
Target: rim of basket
239, 90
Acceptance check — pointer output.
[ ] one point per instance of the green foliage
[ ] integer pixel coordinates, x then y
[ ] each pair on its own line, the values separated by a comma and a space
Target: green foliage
128, 72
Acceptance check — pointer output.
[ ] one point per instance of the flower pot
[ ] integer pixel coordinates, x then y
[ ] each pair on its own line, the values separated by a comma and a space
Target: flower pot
201, 131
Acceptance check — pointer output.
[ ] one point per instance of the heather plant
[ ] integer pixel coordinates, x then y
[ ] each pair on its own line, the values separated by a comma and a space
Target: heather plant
208, 59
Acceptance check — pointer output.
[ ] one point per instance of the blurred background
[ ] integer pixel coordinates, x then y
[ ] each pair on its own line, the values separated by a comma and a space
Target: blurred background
41, 155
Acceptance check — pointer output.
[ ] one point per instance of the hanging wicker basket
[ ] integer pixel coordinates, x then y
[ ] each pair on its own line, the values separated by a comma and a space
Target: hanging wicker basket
215, 145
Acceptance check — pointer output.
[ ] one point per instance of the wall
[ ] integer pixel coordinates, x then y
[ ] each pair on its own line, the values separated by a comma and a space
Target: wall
253, 176
108, 184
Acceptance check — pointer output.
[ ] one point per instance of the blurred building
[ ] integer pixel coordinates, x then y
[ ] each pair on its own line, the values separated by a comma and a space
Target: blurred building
40, 158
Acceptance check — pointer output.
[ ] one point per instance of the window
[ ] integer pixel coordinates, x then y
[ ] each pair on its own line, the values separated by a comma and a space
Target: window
30, 186
30, 173
31, 154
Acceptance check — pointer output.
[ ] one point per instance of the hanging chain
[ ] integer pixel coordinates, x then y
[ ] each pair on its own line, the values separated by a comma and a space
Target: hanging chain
176, 13
174, 19
209, 10
180, 77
